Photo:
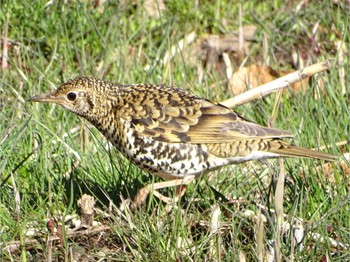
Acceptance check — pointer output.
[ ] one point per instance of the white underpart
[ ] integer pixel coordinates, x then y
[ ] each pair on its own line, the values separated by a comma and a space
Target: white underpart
193, 166
254, 155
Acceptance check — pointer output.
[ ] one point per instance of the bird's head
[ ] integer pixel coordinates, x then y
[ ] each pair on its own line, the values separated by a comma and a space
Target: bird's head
79, 95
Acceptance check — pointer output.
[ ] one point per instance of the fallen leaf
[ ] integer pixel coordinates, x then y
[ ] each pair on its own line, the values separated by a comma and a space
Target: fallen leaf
255, 75
250, 77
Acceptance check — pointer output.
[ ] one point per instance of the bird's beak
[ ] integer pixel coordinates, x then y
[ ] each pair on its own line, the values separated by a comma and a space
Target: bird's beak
46, 98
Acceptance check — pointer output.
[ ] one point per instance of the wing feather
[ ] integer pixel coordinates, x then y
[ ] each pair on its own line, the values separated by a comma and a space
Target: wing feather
175, 116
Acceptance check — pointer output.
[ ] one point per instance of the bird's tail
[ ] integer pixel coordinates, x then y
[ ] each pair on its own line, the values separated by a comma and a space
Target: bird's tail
284, 149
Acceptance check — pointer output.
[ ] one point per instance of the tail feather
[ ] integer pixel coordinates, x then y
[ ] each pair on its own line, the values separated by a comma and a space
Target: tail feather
288, 150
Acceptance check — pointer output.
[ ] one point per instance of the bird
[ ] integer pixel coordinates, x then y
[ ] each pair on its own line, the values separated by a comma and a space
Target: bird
170, 132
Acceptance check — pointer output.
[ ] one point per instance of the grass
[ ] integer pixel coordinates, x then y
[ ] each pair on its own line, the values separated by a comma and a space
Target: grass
54, 41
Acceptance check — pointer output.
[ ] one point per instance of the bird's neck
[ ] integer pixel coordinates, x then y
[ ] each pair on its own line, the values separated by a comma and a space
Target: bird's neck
107, 121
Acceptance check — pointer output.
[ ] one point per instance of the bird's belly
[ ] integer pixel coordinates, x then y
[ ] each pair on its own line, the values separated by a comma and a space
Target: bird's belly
177, 160
168, 160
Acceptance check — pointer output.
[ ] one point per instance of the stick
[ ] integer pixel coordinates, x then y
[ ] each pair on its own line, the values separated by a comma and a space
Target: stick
279, 83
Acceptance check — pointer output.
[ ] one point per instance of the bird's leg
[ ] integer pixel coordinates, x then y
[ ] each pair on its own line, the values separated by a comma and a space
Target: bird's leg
143, 192
180, 190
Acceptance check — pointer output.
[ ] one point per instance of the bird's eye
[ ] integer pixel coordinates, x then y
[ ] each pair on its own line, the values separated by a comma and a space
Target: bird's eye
71, 96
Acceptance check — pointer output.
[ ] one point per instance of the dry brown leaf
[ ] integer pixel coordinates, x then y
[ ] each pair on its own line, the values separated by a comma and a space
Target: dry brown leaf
250, 77
255, 75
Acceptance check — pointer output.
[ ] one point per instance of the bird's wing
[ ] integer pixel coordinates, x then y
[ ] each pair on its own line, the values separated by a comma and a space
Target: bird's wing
176, 116
218, 123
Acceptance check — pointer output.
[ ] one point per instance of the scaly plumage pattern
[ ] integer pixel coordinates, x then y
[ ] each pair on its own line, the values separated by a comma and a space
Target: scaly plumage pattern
171, 132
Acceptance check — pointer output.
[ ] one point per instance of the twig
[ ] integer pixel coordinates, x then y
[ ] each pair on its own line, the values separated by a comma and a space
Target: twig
276, 85
5, 44
279, 211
